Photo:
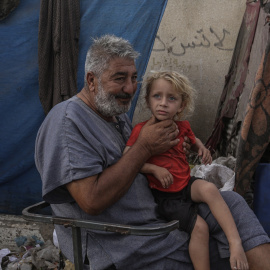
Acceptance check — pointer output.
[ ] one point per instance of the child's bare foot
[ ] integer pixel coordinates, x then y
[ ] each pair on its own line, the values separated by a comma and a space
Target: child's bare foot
238, 259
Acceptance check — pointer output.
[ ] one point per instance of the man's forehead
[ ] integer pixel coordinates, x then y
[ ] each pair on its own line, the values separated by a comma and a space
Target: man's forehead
121, 65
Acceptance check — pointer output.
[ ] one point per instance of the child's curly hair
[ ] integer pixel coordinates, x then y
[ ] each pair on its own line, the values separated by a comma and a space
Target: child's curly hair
180, 83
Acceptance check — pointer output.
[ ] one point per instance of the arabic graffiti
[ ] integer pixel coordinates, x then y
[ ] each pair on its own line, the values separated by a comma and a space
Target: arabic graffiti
200, 40
172, 63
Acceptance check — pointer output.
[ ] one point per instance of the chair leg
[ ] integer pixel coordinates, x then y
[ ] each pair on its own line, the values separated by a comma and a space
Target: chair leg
77, 248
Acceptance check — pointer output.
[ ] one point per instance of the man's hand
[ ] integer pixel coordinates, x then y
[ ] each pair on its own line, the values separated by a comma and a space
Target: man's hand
186, 145
158, 137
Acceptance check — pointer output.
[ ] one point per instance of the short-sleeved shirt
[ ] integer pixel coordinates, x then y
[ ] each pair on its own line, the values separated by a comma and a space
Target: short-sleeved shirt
174, 160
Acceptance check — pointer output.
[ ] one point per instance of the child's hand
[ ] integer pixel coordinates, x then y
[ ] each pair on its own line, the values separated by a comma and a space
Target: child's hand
164, 176
205, 154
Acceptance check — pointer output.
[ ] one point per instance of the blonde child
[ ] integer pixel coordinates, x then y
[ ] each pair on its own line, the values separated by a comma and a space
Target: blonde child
168, 95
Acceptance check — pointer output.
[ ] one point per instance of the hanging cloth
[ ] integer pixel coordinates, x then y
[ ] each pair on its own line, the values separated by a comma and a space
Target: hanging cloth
58, 48
235, 80
6, 7
255, 131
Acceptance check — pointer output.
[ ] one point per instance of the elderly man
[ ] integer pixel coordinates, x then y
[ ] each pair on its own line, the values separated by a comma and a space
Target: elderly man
79, 156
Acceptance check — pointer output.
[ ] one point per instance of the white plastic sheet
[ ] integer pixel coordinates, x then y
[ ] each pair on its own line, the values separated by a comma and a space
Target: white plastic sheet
222, 176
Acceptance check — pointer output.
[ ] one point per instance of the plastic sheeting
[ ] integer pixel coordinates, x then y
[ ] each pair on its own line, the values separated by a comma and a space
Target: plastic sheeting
20, 108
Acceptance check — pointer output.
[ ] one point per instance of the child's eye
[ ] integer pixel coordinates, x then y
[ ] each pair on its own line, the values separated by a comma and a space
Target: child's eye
156, 96
172, 98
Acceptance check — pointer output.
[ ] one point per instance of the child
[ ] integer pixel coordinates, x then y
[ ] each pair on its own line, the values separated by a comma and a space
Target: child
168, 94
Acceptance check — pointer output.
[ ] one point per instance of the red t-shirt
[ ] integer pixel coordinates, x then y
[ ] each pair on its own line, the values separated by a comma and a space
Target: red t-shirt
174, 160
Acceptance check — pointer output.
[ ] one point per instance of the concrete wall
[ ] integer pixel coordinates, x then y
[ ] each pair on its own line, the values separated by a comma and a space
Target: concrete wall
197, 38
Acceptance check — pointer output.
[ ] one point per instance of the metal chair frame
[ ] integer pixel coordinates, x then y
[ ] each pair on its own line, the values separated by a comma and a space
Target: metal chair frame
30, 214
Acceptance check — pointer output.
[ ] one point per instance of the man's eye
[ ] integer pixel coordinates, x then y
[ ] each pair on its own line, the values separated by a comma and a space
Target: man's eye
120, 79
134, 78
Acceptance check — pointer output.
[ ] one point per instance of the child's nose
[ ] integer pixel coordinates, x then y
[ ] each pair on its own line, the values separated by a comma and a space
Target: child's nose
163, 102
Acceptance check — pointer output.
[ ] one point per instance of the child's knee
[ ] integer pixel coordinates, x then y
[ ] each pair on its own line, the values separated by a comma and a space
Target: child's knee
210, 186
200, 229
210, 190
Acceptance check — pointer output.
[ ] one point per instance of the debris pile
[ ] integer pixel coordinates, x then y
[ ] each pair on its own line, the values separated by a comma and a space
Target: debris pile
32, 254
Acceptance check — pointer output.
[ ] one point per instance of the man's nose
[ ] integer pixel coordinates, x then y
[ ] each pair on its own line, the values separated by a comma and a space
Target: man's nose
130, 86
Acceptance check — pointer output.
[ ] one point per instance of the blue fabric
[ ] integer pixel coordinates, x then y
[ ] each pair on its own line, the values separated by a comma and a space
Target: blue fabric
20, 109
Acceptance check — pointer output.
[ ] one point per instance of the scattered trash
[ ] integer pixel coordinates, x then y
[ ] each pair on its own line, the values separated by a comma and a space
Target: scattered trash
3, 257
32, 254
55, 239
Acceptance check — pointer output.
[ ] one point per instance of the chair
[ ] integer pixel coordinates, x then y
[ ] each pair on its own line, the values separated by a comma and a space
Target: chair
31, 214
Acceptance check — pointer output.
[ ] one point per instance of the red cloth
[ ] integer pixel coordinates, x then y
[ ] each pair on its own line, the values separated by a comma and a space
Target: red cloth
174, 160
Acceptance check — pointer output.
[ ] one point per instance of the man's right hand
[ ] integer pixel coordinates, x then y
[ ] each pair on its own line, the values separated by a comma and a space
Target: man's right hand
158, 137
186, 145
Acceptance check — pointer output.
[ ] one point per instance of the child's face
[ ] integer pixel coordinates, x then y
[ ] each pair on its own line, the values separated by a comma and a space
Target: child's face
164, 101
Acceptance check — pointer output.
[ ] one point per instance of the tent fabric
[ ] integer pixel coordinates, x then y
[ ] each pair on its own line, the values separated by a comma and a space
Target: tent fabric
255, 131
20, 108
242, 125
235, 82
58, 50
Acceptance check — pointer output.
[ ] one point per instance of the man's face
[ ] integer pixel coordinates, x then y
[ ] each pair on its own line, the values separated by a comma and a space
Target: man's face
116, 87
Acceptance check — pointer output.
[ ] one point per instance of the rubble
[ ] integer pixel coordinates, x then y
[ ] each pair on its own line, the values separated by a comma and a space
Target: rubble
33, 254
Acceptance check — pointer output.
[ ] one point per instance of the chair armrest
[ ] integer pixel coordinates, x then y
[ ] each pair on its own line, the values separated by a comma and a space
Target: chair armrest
30, 214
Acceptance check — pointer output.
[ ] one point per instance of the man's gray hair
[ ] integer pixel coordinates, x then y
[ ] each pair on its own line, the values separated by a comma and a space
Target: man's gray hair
103, 50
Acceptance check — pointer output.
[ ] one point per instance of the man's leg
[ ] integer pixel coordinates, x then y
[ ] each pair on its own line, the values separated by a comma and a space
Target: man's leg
215, 261
253, 236
259, 257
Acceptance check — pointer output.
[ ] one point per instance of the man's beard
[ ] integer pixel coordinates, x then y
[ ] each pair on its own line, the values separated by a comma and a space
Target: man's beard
107, 104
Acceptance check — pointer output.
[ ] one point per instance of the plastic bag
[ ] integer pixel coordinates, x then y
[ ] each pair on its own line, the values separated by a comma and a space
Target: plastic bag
55, 239
220, 175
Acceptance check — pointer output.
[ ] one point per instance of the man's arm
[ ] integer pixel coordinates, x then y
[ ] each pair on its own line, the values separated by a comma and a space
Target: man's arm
94, 194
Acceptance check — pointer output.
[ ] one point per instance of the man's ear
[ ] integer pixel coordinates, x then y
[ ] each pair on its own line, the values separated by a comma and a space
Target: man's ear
90, 78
